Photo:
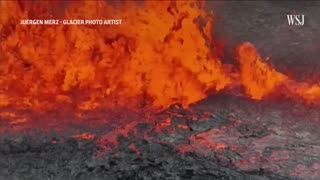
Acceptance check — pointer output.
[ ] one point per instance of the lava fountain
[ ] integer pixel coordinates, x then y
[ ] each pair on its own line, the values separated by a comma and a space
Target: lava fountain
127, 90
162, 53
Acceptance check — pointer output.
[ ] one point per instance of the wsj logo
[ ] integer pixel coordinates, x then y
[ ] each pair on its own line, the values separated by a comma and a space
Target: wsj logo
297, 20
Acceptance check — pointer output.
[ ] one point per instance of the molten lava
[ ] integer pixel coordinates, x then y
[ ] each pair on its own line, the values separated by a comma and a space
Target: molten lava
161, 54
260, 79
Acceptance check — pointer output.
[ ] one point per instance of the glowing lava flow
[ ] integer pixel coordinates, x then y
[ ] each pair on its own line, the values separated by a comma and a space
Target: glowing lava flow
161, 54
260, 79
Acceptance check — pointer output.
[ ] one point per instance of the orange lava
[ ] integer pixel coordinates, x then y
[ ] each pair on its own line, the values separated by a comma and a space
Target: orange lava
84, 136
161, 54
260, 79
18, 121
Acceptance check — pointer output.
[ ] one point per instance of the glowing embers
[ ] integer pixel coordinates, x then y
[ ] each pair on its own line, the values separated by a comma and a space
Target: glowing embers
84, 136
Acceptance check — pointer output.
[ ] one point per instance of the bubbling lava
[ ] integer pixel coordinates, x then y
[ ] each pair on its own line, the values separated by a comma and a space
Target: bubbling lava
162, 53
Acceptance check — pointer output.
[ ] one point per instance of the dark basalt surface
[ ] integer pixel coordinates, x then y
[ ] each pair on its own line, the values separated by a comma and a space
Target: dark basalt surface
73, 160
261, 140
